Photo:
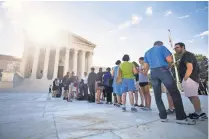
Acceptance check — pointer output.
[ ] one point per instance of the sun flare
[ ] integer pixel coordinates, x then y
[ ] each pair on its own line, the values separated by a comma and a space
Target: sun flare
41, 28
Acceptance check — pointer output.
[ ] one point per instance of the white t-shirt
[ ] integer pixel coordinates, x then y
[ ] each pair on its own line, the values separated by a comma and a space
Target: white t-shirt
85, 80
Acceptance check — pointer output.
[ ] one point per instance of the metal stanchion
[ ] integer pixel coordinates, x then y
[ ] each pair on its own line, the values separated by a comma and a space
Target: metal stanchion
174, 60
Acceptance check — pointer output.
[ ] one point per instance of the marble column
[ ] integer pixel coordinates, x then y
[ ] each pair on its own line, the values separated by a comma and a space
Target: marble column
24, 61
66, 66
35, 62
46, 63
75, 60
83, 54
56, 63
90, 59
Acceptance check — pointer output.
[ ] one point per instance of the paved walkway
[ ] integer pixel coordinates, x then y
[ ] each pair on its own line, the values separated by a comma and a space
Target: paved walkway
32, 116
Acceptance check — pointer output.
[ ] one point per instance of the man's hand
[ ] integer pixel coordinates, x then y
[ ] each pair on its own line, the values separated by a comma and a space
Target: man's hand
186, 78
188, 71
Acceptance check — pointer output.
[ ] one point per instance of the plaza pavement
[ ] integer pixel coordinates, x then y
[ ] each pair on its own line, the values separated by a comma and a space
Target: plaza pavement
32, 116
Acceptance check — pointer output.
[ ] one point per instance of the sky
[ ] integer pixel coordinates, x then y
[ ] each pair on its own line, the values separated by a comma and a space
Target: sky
117, 28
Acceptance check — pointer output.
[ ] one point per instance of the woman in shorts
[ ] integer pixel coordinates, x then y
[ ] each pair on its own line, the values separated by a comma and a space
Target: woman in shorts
115, 85
144, 85
127, 70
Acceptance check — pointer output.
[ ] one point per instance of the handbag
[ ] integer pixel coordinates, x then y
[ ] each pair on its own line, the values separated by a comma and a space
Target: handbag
119, 77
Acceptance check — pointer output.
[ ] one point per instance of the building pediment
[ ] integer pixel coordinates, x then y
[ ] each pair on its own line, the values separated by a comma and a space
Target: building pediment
79, 39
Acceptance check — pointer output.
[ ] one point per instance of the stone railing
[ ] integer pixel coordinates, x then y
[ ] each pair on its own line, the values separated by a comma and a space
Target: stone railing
10, 79
17, 80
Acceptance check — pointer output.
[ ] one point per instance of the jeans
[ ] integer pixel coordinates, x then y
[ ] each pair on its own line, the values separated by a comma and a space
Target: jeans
92, 93
85, 91
108, 93
163, 75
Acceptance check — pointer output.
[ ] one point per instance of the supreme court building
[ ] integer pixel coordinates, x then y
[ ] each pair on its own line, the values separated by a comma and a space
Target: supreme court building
47, 61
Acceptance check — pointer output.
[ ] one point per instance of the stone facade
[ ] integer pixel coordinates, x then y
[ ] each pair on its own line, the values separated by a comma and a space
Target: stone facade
9, 63
51, 60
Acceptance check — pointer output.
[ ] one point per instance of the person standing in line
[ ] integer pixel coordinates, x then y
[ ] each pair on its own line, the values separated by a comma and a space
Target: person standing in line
55, 87
75, 87
128, 70
71, 83
137, 88
85, 79
115, 85
65, 82
107, 80
98, 86
50, 88
91, 85
157, 59
171, 108
144, 85
189, 76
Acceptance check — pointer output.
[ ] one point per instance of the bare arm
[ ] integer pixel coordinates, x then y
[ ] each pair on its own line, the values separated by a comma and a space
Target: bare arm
143, 71
146, 68
188, 71
135, 70
112, 73
169, 59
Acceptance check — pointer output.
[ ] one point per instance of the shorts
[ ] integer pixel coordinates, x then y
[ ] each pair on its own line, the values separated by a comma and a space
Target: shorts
143, 84
97, 86
128, 85
190, 87
117, 89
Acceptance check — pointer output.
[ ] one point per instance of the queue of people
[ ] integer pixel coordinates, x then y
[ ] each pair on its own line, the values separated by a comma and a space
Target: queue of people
132, 78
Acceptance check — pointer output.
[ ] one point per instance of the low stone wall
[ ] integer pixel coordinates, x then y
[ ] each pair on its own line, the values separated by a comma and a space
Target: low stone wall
17, 80
10, 80
6, 85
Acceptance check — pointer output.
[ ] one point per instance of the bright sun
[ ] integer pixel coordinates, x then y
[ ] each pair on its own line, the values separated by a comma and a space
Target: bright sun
41, 28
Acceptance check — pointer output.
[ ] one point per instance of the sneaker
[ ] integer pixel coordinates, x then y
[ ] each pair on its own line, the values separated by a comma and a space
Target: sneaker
164, 120
186, 121
123, 109
136, 105
203, 116
133, 110
146, 109
118, 105
169, 111
195, 116
68, 100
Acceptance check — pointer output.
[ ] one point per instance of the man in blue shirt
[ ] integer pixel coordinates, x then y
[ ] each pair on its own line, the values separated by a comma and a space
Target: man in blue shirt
157, 59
